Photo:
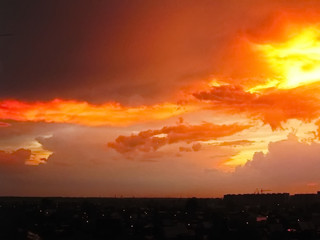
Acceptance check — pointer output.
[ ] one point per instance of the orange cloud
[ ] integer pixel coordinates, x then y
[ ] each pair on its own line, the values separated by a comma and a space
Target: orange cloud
196, 147
272, 106
151, 140
185, 149
235, 143
291, 79
295, 61
62, 111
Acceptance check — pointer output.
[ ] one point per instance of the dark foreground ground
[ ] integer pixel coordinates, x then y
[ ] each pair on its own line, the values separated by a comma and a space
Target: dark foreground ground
234, 217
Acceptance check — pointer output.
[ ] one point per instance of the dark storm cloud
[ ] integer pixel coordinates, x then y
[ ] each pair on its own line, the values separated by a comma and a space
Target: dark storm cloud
51, 51
114, 50
120, 50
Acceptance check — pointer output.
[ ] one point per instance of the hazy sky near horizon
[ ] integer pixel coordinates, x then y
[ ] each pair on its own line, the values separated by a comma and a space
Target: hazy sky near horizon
159, 98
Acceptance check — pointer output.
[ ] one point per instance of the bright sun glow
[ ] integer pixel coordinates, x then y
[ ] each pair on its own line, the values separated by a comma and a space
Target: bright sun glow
295, 62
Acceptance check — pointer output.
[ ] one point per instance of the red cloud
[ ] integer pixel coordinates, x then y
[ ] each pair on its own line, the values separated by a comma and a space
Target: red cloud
18, 157
4, 124
271, 106
151, 140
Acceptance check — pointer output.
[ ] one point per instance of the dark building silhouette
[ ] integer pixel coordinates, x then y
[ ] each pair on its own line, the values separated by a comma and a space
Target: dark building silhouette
242, 216
255, 199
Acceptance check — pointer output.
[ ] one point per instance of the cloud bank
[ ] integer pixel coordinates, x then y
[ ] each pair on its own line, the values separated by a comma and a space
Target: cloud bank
152, 140
272, 106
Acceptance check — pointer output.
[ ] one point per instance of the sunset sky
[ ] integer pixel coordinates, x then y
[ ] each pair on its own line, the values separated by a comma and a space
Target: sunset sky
159, 98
